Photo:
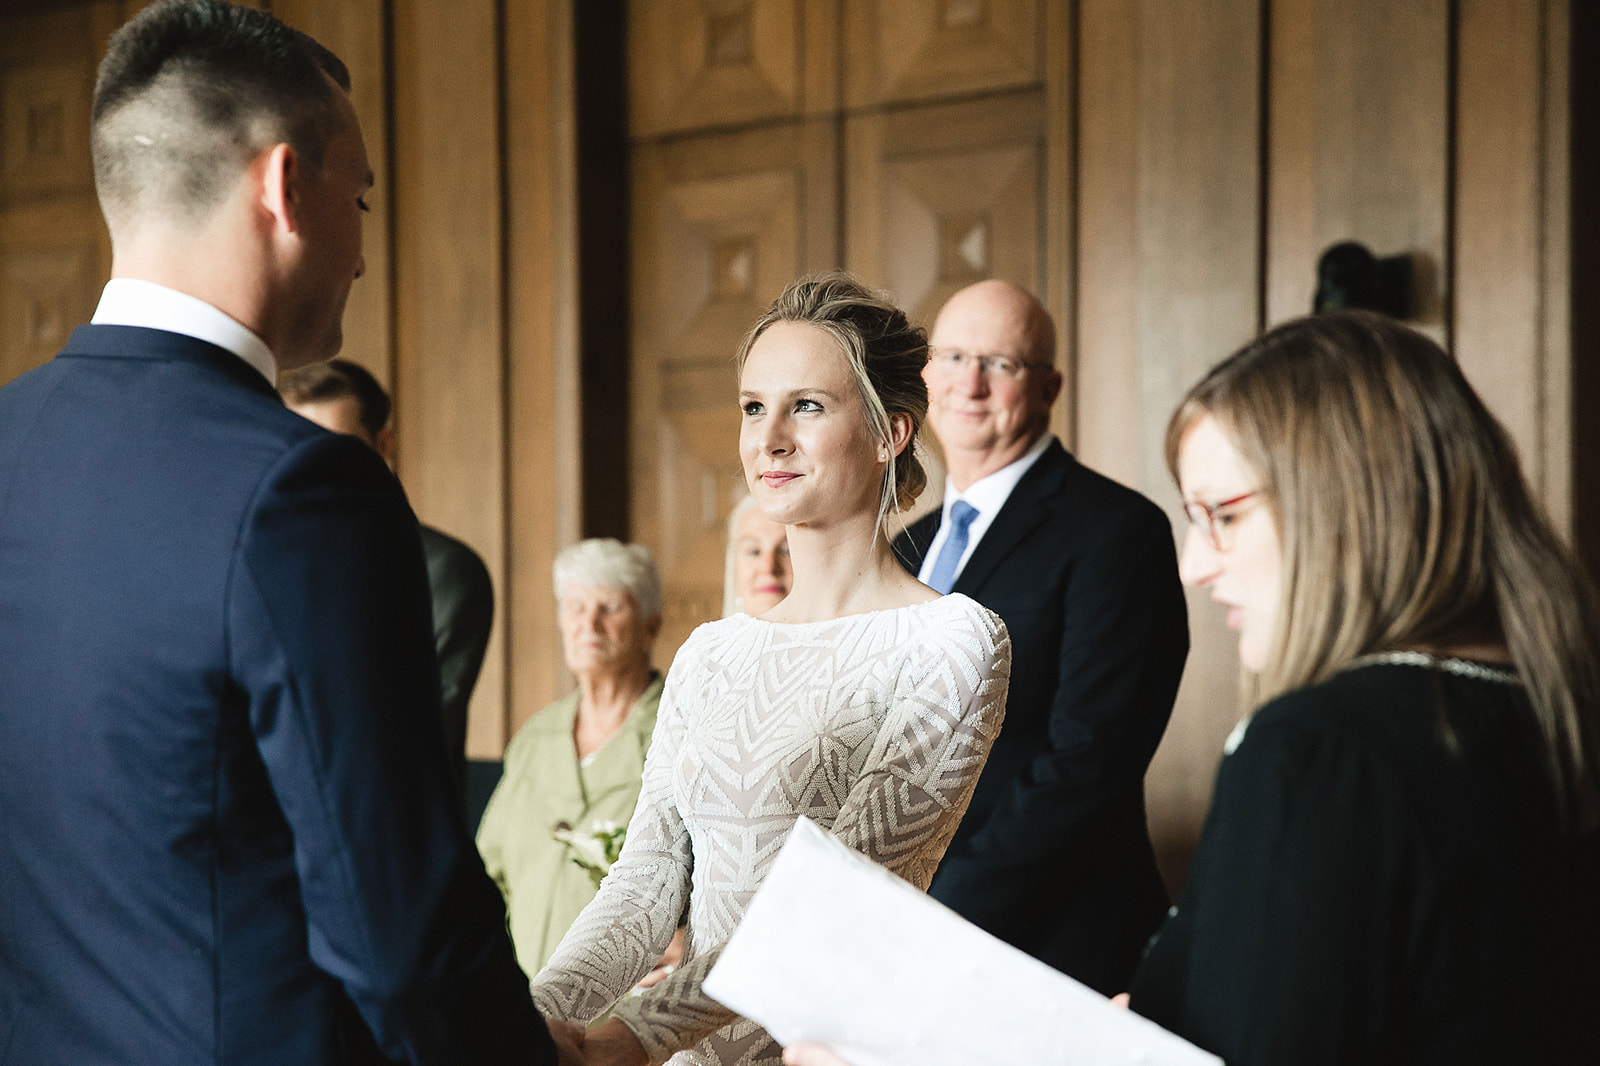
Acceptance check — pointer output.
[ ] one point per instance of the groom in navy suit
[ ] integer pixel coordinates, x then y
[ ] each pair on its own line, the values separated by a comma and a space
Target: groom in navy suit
1053, 855
227, 834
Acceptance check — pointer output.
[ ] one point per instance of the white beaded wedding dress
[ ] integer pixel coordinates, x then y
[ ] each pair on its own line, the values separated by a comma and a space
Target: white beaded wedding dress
875, 726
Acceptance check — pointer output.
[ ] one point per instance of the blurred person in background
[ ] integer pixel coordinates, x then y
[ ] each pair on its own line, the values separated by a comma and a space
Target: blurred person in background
571, 775
758, 575
343, 397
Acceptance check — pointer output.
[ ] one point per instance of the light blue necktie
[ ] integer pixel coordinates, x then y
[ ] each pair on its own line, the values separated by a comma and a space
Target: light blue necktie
943, 577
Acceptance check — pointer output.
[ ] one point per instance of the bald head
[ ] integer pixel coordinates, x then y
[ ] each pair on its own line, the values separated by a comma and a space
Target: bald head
989, 411
1006, 318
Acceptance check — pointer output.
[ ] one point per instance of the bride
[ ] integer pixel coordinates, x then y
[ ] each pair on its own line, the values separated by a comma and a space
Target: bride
864, 700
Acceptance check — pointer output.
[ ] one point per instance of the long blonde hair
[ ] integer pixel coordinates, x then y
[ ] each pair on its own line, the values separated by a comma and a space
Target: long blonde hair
1405, 522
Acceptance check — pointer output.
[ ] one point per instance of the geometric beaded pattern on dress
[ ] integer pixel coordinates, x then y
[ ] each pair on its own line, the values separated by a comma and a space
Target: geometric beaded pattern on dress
875, 726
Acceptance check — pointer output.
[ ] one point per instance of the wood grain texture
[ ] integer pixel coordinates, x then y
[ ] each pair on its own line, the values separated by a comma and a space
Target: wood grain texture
354, 31
695, 64
721, 224
544, 461
1358, 133
55, 253
1169, 238
903, 50
942, 195
450, 382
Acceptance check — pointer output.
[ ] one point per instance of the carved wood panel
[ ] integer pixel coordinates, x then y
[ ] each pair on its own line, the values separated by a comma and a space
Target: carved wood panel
704, 63
901, 50
43, 116
941, 196
721, 224
44, 294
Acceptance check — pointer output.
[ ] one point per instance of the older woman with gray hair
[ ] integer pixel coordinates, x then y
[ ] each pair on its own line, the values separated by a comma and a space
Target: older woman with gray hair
572, 771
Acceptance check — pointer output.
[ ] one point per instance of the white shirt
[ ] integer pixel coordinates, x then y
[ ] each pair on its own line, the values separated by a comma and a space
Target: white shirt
131, 302
988, 495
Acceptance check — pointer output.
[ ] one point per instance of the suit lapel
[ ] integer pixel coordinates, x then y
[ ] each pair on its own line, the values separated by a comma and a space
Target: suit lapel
1028, 507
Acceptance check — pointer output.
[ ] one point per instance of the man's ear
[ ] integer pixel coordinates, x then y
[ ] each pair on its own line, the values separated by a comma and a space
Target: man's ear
1050, 387
383, 443
281, 174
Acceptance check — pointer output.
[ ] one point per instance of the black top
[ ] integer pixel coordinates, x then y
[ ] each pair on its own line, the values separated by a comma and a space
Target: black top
1379, 881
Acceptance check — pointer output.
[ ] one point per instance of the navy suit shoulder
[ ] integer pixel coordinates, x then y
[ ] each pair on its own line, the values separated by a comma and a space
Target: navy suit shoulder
1054, 855
225, 840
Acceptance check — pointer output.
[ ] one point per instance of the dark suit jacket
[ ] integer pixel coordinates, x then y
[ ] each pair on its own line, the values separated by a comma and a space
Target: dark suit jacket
1054, 855
226, 830
463, 614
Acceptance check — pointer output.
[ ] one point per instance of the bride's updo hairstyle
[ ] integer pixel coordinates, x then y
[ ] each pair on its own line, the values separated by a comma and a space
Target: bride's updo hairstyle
886, 354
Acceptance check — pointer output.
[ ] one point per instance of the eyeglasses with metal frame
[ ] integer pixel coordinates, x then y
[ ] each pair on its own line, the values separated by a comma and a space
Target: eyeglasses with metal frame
955, 361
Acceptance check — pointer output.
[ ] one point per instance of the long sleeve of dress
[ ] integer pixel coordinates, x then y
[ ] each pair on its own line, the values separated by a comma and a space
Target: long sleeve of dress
623, 931
876, 727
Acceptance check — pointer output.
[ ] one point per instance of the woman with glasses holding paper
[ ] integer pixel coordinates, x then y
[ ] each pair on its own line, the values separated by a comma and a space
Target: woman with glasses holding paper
863, 700
1401, 862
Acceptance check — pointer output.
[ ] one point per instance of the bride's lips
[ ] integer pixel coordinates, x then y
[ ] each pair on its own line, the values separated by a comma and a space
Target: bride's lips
777, 478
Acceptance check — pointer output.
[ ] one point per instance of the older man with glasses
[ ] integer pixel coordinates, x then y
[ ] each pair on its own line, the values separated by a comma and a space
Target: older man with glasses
1054, 855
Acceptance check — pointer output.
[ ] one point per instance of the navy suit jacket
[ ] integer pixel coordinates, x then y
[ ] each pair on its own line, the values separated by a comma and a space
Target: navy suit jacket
227, 834
1054, 854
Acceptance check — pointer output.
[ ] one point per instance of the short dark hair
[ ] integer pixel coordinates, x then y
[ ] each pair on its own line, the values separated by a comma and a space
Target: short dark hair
189, 90
334, 380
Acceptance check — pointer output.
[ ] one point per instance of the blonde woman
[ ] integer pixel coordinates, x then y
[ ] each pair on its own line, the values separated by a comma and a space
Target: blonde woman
863, 700
1401, 862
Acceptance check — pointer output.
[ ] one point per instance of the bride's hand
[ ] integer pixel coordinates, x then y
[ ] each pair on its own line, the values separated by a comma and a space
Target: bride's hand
811, 1055
669, 961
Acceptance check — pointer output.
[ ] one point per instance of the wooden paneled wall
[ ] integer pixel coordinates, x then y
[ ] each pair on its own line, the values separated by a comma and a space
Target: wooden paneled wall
1163, 173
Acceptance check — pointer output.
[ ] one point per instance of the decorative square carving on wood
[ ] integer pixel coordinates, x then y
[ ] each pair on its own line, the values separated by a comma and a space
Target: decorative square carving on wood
736, 268
922, 49
952, 219
958, 14
964, 248
722, 223
44, 294
700, 63
44, 118
728, 37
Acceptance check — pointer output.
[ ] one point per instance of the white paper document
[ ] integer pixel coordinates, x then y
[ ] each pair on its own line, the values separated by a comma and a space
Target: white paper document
835, 949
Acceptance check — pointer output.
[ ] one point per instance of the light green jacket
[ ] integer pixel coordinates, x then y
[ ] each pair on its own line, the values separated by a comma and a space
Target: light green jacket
541, 787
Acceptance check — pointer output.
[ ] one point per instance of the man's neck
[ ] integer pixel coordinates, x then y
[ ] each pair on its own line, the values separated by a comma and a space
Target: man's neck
966, 469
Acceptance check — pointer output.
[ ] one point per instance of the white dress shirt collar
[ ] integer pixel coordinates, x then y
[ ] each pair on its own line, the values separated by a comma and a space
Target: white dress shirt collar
131, 302
988, 495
